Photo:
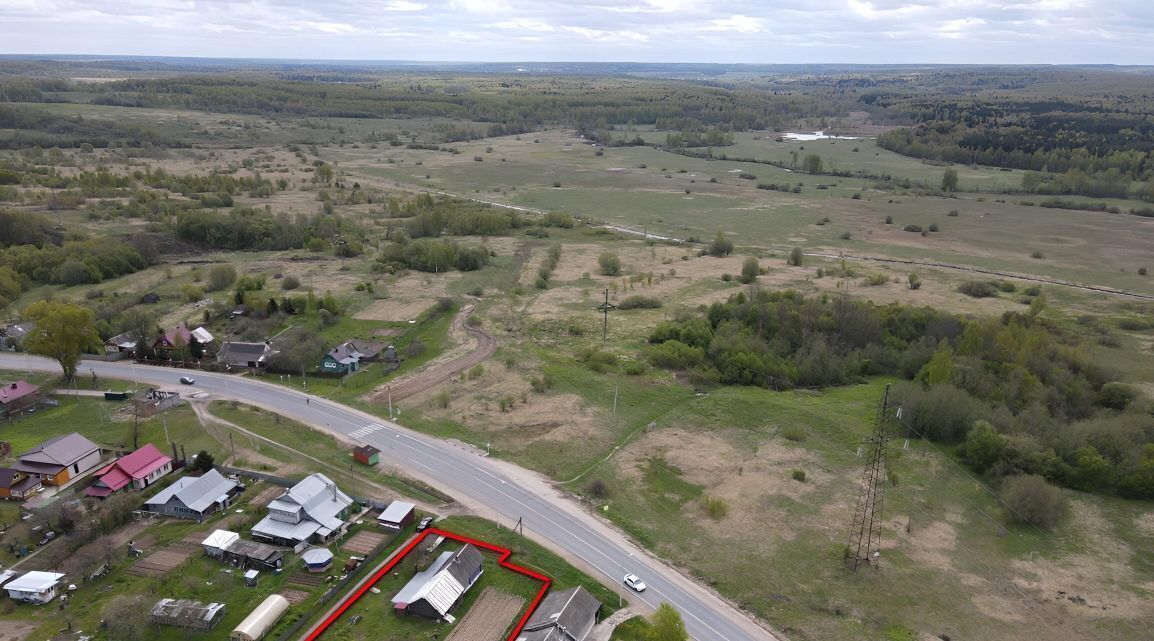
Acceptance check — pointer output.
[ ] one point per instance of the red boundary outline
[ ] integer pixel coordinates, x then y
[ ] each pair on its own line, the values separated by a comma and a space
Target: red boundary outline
502, 559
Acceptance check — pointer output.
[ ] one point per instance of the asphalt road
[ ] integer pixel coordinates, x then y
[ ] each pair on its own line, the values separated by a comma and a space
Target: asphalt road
493, 488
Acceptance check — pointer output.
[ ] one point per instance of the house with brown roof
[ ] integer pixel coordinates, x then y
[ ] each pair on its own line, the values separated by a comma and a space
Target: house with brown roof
242, 354
17, 486
16, 397
60, 459
138, 470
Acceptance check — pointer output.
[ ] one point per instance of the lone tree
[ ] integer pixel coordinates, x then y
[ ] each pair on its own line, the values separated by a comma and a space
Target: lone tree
950, 180
126, 618
795, 257
63, 332
204, 461
750, 270
667, 625
721, 246
610, 264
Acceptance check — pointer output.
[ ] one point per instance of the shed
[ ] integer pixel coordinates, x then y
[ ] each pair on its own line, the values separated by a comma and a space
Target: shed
367, 455
397, 515
261, 620
318, 559
218, 542
34, 587
185, 613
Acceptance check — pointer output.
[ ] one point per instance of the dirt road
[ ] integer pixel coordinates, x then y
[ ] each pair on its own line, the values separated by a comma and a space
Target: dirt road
475, 345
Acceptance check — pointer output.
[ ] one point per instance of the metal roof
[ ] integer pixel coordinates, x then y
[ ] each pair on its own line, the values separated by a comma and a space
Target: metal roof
568, 615
16, 390
197, 494
317, 556
396, 512
221, 539
34, 581
61, 451
444, 581
274, 529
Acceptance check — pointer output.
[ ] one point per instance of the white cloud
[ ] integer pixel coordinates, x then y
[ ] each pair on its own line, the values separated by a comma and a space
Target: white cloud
525, 24
870, 11
481, 6
404, 6
607, 35
956, 29
738, 23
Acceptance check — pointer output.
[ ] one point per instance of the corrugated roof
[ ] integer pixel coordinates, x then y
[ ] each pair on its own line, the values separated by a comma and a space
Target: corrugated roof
221, 539
235, 352
16, 390
320, 498
568, 615
444, 581
317, 556
34, 581
275, 529
396, 511
62, 450
196, 494
143, 461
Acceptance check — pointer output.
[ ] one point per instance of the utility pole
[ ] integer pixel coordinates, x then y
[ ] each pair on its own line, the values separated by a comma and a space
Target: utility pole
605, 308
865, 535
390, 402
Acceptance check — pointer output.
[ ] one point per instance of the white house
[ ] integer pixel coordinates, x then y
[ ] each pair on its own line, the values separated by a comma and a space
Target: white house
34, 587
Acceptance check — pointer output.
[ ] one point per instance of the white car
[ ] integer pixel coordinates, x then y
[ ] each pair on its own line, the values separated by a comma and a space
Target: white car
187, 380
634, 582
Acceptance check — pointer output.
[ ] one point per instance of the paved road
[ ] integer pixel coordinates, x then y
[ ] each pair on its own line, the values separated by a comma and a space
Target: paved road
493, 488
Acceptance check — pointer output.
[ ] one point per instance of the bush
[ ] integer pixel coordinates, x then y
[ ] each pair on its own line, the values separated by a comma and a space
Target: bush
1141, 271
640, 302
1030, 499
442, 399
953, 213
598, 489
721, 246
889, 220
798, 475
1116, 396
795, 257
933, 227
221, 277
916, 229
977, 289
597, 360
290, 282
717, 509
610, 264
476, 372
915, 281
413, 349
750, 269
794, 433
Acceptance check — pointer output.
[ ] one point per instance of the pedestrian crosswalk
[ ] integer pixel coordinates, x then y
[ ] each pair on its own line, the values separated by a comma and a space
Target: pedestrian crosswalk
367, 430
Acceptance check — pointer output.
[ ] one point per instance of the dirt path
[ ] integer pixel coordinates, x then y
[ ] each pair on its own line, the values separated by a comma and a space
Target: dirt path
489, 618
604, 630
440, 370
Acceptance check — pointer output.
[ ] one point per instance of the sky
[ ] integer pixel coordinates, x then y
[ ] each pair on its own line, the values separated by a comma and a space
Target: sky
724, 31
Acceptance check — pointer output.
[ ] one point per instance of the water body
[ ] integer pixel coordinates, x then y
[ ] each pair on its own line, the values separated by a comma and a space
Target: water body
817, 135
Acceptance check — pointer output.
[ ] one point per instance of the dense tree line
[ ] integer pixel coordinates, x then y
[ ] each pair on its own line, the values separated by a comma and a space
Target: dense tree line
1093, 148
250, 228
38, 128
1023, 376
431, 255
432, 217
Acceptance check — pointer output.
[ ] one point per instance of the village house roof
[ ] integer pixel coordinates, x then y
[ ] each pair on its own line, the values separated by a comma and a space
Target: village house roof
345, 353
367, 349
34, 581
170, 337
568, 615
56, 453
320, 501
197, 494
16, 481
121, 472
16, 390
240, 353
443, 583
122, 341
221, 539
203, 336
396, 511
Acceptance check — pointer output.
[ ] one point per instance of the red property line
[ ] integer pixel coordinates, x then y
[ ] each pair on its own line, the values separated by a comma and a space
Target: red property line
503, 555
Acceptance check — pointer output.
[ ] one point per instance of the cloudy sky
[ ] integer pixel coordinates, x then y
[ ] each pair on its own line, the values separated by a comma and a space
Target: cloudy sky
755, 31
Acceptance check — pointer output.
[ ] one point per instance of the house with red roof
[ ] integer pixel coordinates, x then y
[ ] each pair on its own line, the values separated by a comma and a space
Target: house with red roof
139, 469
17, 396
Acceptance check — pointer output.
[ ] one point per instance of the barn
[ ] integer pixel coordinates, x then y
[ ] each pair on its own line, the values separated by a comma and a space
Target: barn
397, 515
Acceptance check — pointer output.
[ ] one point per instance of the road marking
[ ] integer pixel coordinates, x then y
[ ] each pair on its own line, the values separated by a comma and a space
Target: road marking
365, 431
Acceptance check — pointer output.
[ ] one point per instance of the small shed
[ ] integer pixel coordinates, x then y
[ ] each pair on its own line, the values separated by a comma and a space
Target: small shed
397, 515
261, 620
318, 559
219, 541
34, 587
367, 455
251, 577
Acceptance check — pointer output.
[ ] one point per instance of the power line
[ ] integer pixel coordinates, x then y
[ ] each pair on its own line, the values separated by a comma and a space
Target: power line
865, 533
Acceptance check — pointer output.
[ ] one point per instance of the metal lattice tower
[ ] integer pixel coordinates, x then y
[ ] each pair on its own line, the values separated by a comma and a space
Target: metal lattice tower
865, 534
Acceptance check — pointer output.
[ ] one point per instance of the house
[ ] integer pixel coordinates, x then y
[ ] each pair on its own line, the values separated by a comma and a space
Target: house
6, 576
261, 620
366, 455
342, 359
312, 511
239, 354
16, 397
202, 336
139, 469
176, 339
58, 460
568, 615
34, 587
120, 343
185, 613
14, 334
17, 485
434, 592
397, 515
194, 497
374, 350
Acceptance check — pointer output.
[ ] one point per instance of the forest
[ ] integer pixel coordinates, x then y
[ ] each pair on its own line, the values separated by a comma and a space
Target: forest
1052, 412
